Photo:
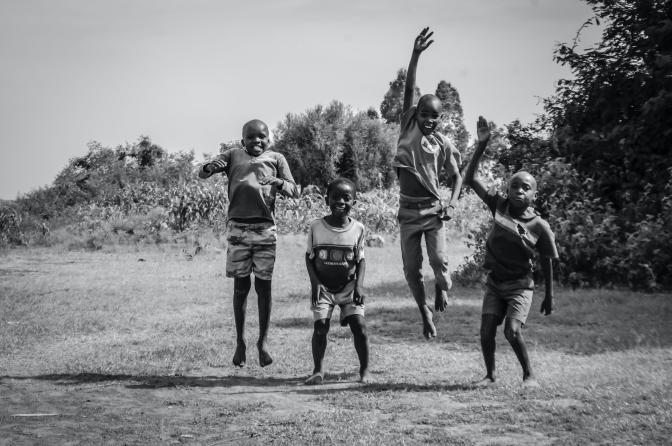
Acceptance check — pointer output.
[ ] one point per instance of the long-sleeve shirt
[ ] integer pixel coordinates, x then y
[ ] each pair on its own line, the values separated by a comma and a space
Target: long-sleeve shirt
249, 200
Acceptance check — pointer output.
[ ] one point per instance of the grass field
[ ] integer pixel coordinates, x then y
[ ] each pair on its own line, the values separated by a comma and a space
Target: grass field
134, 346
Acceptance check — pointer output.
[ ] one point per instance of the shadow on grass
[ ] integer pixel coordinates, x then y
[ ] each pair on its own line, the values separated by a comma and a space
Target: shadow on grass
154, 381
584, 322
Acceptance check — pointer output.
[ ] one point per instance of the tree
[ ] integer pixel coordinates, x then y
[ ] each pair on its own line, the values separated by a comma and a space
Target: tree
452, 119
613, 120
393, 101
326, 142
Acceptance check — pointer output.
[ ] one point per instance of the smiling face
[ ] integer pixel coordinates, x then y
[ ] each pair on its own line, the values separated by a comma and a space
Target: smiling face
522, 190
255, 137
341, 198
428, 113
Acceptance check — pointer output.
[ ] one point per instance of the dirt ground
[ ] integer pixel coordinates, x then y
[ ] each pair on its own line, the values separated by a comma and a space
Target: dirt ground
216, 407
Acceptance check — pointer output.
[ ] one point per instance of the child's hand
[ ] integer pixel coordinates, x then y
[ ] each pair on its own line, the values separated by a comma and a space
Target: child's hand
216, 166
447, 212
547, 305
482, 130
273, 181
358, 296
421, 42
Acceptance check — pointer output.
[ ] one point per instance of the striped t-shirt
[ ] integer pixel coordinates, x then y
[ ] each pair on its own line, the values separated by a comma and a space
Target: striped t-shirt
335, 252
512, 242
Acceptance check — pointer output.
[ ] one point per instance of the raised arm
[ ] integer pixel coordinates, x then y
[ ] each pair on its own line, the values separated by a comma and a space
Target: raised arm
420, 45
470, 178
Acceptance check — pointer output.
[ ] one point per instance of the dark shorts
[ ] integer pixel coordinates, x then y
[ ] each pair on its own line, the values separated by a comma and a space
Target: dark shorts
508, 298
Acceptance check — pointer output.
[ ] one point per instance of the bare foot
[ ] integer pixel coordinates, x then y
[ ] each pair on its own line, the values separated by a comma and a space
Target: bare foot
485, 382
239, 355
264, 357
314, 379
531, 383
428, 328
364, 377
441, 300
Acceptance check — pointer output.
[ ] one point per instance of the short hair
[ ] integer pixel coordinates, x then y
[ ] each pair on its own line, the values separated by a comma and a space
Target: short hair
426, 98
341, 180
254, 121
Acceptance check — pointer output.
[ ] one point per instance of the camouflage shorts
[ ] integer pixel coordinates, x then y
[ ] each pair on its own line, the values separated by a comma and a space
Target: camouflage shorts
251, 249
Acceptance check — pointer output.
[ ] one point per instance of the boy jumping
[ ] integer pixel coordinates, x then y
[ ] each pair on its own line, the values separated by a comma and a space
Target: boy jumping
421, 154
335, 263
256, 174
516, 233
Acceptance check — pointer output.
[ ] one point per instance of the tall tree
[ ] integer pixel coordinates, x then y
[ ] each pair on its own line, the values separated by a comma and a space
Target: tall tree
613, 120
393, 101
452, 119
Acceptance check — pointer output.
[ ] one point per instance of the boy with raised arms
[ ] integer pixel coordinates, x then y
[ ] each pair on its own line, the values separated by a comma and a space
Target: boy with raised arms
517, 234
421, 154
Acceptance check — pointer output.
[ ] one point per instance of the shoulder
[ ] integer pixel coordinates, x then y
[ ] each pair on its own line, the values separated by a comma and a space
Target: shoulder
358, 225
543, 226
275, 155
317, 223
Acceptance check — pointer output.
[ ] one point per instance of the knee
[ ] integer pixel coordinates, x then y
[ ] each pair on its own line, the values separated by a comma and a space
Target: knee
512, 332
241, 286
321, 327
262, 287
438, 260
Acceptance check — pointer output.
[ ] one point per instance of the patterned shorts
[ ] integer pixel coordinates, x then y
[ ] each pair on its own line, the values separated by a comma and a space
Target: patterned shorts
251, 249
327, 300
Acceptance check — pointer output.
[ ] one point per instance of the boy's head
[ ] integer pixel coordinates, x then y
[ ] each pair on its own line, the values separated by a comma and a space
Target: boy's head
522, 190
341, 195
255, 137
427, 113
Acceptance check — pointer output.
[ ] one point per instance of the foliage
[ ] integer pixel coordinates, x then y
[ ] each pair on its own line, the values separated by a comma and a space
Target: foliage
613, 120
452, 117
327, 142
393, 102
10, 227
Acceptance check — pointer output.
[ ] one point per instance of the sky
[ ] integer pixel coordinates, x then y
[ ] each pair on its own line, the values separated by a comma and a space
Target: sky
188, 74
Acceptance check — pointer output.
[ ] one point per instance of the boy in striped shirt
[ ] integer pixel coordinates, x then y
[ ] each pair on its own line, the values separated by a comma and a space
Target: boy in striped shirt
336, 265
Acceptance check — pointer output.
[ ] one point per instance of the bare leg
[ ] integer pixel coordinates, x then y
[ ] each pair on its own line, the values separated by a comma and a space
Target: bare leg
264, 301
319, 345
411, 254
489, 323
514, 334
358, 327
241, 288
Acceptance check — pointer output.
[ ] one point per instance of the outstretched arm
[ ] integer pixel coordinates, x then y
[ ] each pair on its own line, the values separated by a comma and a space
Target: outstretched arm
470, 178
211, 168
420, 45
